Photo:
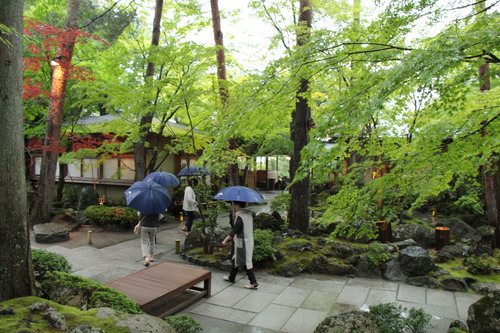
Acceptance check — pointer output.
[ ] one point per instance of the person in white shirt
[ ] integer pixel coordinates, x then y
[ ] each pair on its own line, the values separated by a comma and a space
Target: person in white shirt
190, 205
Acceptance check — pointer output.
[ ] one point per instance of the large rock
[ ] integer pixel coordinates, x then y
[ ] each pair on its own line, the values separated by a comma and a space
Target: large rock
458, 228
484, 243
484, 315
136, 323
415, 261
88, 197
50, 233
423, 281
267, 221
367, 269
454, 284
197, 239
484, 288
421, 234
67, 220
290, 269
393, 272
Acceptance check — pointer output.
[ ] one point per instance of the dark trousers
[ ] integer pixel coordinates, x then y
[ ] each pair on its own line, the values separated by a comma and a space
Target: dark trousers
250, 273
189, 220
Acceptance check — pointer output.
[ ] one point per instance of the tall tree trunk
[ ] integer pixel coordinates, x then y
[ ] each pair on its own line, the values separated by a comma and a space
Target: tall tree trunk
140, 150
16, 271
490, 176
301, 119
51, 147
233, 169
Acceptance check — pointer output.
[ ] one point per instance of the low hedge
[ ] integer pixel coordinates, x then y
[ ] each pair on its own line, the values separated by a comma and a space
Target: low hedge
111, 217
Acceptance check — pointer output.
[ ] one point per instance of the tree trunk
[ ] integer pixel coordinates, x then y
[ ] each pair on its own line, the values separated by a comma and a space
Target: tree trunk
301, 118
16, 271
51, 147
140, 150
233, 169
490, 176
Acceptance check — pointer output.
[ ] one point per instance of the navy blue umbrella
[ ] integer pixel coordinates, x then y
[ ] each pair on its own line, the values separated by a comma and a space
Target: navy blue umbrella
148, 197
163, 178
193, 171
239, 193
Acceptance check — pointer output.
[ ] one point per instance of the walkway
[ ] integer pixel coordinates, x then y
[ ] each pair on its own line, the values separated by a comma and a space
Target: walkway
280, 304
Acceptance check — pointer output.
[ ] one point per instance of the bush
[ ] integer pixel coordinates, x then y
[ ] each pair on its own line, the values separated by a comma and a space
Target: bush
281, 203
84, 294
263, 249
396, 319
45, 261
182, 323
104, 216
70, 196
480, 265
378, 253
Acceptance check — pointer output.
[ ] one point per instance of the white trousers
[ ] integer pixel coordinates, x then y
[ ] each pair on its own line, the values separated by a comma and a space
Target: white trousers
148, 241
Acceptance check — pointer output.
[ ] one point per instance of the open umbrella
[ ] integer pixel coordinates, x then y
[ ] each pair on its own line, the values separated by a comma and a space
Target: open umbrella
193, 171
148, 197
163, 178
239, 193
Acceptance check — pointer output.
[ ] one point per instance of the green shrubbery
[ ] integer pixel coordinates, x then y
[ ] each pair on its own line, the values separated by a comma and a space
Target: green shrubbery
480, 265
263, 240
281, 203
45, 261
396, 319
83, 293
109, 217
183, 323
378, 253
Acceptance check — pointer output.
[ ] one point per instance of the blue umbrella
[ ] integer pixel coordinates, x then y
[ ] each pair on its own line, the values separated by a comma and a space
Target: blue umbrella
193, 171
148, 197
163, 178
239, 193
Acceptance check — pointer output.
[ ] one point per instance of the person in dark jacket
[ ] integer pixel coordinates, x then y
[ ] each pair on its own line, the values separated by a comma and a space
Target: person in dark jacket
149, 225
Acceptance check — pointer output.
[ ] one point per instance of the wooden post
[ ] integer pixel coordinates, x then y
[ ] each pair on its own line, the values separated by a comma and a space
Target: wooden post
442, 237
89, 237
177, 246
384, 231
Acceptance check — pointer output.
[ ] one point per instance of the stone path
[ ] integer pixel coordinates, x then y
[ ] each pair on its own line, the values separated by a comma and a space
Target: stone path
280, 304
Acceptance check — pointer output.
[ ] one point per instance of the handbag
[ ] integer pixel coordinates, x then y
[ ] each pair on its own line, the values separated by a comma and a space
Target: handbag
137, 227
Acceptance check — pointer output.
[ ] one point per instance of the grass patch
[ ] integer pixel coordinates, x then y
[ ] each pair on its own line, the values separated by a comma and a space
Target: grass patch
458, 262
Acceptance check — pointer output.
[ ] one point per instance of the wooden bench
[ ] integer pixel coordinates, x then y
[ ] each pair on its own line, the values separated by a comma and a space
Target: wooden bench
165, 288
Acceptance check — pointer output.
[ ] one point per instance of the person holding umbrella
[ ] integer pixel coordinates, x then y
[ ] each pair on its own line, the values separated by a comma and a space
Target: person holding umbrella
149, 225
189, 204
242, 235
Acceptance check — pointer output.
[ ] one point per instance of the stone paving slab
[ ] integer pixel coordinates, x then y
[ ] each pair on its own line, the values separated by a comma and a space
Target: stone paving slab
274, 317
319, 300
412, 294
292, 296
303, 320
353, 295
224, 313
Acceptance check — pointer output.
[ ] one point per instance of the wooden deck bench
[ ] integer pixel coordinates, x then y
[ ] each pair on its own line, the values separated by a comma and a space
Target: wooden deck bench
165, 288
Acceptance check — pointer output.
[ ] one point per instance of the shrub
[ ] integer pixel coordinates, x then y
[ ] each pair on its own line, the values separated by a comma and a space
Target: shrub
84, 294
378, 253
263, 249
281, 203
45, 261
70, 196
104, 216
480, 265
183, 323
396, 319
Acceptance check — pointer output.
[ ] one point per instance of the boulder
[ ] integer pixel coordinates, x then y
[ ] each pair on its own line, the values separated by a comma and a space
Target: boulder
367, 269
458, 228
415, 261
50, 233
485, 288
484, 242
290, 269
393, 272
484, 315
88, 197
136, 322
197, 239
404, 244
454, 284
423, 281
342, 250
300, 246
421, 234
67, 220
267, 221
